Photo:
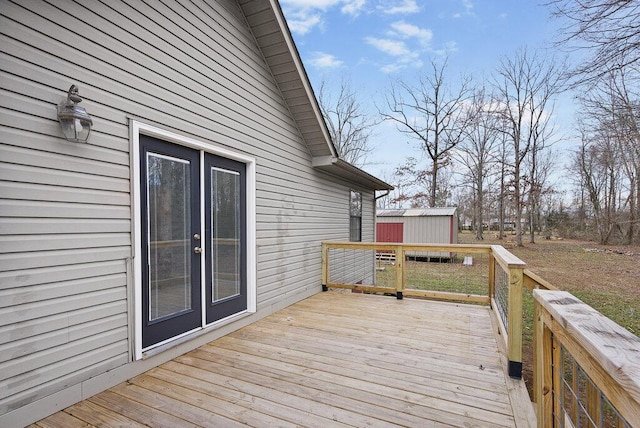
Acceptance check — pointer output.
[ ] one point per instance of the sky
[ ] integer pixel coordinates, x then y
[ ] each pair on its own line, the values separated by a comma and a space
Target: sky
371, 43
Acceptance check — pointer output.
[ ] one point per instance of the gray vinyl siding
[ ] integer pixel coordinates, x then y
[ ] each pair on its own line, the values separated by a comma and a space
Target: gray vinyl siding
368, 217
296, 241
355, 266
192, 68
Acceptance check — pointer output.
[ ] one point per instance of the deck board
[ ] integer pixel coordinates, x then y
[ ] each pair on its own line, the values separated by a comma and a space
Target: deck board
333, 360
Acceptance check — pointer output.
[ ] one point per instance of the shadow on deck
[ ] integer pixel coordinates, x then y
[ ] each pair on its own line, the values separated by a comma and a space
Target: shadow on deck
335, 359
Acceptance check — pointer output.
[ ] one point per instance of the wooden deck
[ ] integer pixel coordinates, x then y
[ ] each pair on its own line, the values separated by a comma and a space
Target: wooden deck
335, 359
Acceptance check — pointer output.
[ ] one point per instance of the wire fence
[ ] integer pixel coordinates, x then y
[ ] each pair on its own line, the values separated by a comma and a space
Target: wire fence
352, 266
501, 294
578, 402
454, 272
460, 272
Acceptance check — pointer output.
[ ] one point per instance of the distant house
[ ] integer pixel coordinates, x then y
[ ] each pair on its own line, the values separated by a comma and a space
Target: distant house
197, 206
418, 226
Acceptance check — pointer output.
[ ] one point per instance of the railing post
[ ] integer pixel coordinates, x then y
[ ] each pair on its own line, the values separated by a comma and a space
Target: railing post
542, 373
514, 329
399, 282
325, 266
492, 277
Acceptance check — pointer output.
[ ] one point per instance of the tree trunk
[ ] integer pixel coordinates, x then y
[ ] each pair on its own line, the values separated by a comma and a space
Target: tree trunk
638, 197
632, 213
434, 185
531, 214
479, 210
518, 205
501, 204
532, 224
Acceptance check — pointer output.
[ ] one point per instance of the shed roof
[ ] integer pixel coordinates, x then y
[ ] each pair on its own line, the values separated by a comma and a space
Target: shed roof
418, 212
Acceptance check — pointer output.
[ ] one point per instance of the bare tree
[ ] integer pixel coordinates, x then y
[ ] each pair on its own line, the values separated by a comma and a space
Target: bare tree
349, 127
612, 112
526, 85
412, 181
393, 198
476, 152
607, 30
608, 33
433, 114
540, 163
505, 169
537, 165
595, 160
626, 119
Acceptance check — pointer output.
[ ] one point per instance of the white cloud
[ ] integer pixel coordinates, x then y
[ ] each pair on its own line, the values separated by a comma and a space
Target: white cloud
402, 64
468, 6
468, 10
451, 46
404, 57
353, 7
400, 7
349, 7
304, 15
325, 60
392, 68
310, 4
300, 23
388, 46
448, 48
405, 42
405, 31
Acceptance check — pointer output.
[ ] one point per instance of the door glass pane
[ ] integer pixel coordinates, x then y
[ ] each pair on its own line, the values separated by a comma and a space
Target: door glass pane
169, 206
225, 237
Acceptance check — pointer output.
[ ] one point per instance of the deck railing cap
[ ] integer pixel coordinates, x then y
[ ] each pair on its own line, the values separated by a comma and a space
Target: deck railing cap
508, 259
616, 349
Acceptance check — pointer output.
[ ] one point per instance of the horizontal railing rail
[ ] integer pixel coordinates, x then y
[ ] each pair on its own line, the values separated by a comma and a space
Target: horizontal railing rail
393, 256
533, 281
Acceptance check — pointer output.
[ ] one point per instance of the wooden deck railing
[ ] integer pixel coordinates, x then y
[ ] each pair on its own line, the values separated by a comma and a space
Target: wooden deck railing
586, 367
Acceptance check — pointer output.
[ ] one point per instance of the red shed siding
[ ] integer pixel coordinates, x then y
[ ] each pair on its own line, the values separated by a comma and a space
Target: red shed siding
389, 232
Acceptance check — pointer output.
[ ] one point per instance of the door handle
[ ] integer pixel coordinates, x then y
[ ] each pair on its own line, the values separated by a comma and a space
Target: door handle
197, 250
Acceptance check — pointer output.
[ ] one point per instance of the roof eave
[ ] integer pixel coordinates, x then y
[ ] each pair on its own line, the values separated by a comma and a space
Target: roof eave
343, 169
316, 133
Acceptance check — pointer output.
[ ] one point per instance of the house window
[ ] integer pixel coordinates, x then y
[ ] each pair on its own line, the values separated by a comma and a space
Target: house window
355, 217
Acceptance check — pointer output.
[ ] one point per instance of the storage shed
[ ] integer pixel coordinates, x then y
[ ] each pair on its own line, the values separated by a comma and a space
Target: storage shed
418, 225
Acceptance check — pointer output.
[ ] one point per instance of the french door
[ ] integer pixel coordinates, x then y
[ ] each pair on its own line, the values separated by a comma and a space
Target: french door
194, 267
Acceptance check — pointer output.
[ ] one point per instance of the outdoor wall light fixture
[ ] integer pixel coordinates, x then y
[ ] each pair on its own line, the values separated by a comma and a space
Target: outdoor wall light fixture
74, 120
